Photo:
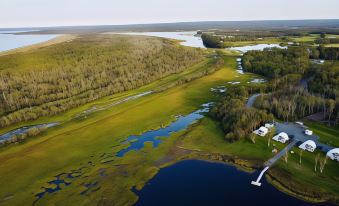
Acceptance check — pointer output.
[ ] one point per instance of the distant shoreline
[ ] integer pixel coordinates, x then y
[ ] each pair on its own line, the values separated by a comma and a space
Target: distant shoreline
313, 24
56, 40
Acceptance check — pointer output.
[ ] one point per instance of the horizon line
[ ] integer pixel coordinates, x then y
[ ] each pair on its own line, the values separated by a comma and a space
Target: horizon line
157, 23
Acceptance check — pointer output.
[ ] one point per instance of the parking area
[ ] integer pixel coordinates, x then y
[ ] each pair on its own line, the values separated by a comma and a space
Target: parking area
297, 133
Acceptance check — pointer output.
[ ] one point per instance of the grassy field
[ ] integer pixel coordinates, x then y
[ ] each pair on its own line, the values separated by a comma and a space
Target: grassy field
306, 39
28, 166
246, 43
332, 45
328, 134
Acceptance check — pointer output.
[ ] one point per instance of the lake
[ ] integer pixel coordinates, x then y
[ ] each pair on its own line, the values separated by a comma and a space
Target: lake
188, 37
195, 182
9, 41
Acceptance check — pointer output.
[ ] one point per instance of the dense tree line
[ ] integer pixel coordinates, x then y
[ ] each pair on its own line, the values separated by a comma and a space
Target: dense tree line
326, 41
211, 41
326, 53
275, 62
297, 88
250, 34
236, 119
325, 80
219, 39
293, 103
56, 78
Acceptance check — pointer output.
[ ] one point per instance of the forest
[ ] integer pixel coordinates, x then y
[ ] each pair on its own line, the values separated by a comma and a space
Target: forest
238, 121
211, 41
214, 40
326, 41
275, 62
291, 104
54, 79
322, 52
325, 80
298, 88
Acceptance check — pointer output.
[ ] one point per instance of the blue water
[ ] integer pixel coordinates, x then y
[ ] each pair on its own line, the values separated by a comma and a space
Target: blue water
188, 38
194, 182
60, 181
137, 141
55, 186
11, 41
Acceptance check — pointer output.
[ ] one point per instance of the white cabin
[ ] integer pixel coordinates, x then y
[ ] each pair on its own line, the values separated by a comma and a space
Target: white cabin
281, 137
269, 125
308, 132
309, 145
300, 123
333, 154
262, 131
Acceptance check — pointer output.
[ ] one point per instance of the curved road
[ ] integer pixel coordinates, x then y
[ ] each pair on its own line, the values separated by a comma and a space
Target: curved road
251, 100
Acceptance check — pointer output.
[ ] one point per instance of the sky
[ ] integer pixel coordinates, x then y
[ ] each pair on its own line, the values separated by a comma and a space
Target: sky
39, 13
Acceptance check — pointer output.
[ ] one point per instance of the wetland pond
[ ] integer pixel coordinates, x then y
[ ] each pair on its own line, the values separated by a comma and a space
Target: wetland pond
136, 142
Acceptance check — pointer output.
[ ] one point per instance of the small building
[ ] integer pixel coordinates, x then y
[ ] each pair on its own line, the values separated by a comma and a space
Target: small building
308, 132
300, 123
333, 154
309, 145
318, 61
281, 137
269, 125
262, 131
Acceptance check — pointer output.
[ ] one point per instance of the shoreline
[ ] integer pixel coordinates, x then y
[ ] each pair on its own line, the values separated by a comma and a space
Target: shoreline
56, 40
246, 165
274, 180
